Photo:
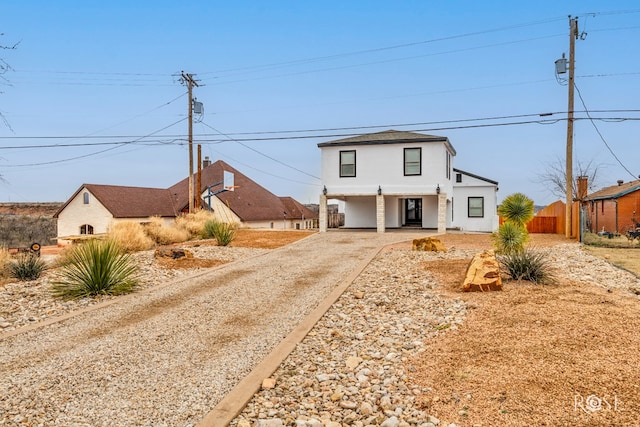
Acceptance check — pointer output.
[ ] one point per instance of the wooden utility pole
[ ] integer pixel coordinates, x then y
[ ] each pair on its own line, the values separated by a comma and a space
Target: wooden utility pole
573, 35
199, 178
190, 82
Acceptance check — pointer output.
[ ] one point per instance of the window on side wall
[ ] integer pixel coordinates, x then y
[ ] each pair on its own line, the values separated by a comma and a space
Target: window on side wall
347, 164
86, 229
476, 207
412, 161
85, 198
458, 177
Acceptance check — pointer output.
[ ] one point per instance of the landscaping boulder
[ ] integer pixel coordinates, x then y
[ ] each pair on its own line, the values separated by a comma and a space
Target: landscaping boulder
428, 244
173, 253
483, 274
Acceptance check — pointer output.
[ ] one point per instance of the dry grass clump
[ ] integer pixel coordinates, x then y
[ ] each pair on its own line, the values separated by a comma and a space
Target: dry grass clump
5, 262
130, 236
163, 233
194, 223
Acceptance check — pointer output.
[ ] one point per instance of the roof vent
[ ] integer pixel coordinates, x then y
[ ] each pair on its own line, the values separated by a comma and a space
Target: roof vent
620, 182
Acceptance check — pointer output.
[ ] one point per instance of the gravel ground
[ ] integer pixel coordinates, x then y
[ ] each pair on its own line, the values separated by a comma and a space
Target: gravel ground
354, 368
167, 355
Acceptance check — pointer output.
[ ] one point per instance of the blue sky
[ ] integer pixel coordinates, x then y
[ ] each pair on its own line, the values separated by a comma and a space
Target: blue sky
93, 95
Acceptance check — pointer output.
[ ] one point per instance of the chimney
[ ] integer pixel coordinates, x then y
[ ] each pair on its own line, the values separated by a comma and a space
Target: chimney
206, 162
620, 182
582, 187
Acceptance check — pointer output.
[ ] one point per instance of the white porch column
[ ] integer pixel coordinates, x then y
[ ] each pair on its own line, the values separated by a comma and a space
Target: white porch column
323, 219
380, 213
442, 213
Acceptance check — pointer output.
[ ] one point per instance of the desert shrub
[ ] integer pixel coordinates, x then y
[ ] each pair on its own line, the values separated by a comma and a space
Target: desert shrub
528, 265
510, 238
194, 223
130, 236
96, 267
223, 232
165, 234
27, 267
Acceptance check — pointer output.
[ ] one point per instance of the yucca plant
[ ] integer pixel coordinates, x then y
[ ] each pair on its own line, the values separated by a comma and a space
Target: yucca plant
97, 267
223, 232
528, 265
27, 267
516, 208
510, 238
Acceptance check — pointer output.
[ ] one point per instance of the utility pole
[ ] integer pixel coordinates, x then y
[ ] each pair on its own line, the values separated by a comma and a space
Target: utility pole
573, 35
190, 82
199, 175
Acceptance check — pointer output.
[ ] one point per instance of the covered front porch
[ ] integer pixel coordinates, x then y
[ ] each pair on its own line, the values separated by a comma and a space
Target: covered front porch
382, 211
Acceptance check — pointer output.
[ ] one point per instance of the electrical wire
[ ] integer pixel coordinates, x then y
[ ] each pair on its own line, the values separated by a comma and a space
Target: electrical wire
121, 144
600, 133
261, 153
182, 137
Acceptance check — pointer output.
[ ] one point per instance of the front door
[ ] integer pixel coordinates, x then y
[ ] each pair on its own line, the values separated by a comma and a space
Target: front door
413, 211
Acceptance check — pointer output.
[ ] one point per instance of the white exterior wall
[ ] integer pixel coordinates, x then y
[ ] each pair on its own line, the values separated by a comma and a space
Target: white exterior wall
383, 165
76, 214
360, 212
222, 213
473, 187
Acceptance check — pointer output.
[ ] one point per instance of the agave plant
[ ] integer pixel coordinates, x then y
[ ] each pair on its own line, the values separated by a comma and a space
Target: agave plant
97, 267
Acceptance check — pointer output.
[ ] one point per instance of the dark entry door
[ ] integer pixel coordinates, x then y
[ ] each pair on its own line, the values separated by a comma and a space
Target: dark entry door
413, 211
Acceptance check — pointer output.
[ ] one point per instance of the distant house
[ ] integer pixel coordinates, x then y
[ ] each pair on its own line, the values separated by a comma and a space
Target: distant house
394, 179
615, 209
93, 208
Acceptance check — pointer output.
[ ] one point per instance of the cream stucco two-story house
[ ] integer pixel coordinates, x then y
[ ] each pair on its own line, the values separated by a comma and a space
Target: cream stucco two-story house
395, 179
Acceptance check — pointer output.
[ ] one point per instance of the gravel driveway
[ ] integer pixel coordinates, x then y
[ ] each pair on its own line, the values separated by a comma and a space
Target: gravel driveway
166, 357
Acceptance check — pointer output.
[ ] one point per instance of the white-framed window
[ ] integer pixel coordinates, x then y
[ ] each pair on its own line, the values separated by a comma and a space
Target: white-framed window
448, 165
347, 164
412, 161
476, 207
86, 229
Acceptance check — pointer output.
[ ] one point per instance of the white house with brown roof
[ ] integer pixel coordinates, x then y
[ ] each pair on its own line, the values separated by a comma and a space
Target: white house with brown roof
93, 208
395, 179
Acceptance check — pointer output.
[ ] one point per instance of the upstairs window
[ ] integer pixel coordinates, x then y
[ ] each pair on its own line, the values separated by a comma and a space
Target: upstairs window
85, 198
458, 177
347, 163
86, 229
448, 165
412, 161
476, 207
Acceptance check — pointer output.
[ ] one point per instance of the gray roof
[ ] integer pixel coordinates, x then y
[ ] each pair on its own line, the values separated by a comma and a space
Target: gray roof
390, 136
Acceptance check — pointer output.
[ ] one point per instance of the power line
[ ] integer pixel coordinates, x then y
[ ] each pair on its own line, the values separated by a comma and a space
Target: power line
118, 145
177, 137
600, 134
261, 153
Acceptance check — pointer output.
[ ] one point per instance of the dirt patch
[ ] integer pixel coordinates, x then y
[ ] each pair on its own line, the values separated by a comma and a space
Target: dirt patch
532, 355
267, 239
